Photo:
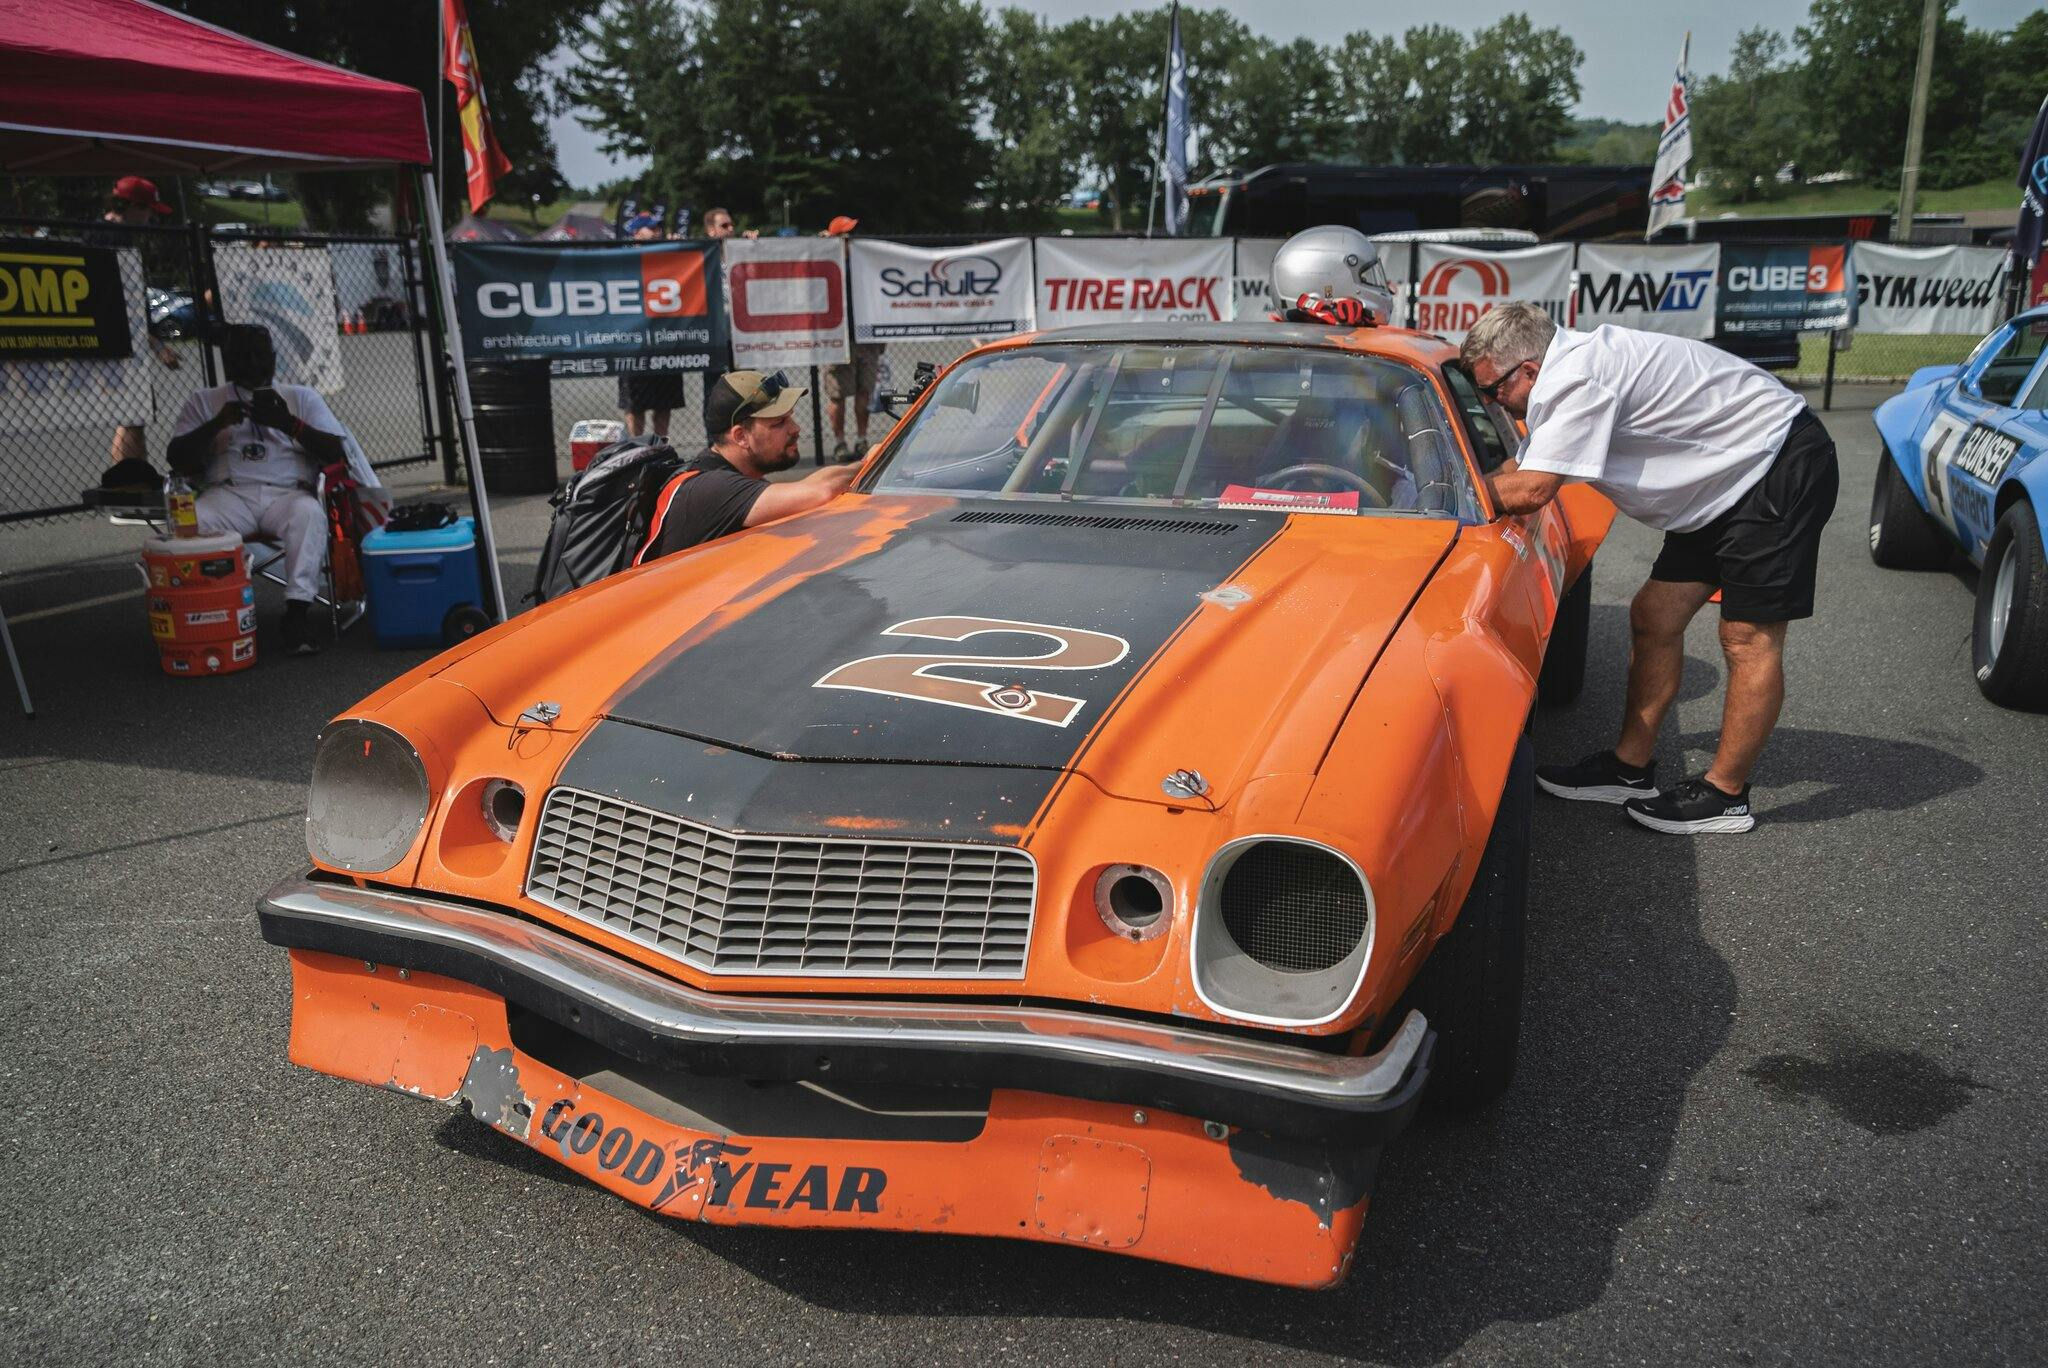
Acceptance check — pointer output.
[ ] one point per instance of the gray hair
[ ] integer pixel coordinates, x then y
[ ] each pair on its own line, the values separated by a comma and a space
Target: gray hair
1508, 335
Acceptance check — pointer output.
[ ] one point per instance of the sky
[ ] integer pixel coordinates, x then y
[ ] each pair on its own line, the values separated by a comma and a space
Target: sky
1631, 46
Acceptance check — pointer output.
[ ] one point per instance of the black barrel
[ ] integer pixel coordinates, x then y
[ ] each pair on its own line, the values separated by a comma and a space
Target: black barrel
515, 425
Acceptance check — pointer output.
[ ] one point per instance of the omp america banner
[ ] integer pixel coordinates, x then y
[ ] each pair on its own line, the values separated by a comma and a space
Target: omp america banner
978, 291
1455, 284
1133, 280
1783, 289
1251, 289
42, 396
60, 300
645, 306
1927, 289
786, 301
1657, 289
289, 290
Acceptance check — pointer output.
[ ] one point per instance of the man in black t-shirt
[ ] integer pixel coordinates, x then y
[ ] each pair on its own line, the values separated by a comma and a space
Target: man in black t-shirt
726, 487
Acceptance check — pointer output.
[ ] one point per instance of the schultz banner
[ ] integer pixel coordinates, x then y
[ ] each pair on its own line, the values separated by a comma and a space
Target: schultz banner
652, 306
1927, 289
979, 291
1657, 289
59, 300
1457, 284
289, 290
1133, 280
1251, 290
786, 300
1784, 289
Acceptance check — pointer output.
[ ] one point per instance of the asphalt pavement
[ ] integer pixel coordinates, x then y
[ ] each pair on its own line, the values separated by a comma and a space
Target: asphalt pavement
1780, 1098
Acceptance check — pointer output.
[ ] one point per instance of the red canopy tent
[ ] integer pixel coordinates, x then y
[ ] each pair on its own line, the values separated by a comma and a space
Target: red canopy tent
114, 87
122, 86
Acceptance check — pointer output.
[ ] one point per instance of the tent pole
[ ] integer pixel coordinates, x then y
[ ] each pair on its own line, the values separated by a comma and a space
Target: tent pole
464, 412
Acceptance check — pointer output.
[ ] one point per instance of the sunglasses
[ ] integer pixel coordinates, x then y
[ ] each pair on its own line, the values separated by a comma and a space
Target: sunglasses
1491, 393
766, 393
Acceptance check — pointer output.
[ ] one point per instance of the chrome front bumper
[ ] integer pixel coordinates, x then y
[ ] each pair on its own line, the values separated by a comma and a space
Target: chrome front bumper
1278, 1089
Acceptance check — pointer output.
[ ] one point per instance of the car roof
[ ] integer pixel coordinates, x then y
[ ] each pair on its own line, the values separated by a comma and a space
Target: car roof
1417, 348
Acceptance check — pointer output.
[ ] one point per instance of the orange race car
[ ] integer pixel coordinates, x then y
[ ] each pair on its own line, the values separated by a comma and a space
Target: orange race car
1096, 827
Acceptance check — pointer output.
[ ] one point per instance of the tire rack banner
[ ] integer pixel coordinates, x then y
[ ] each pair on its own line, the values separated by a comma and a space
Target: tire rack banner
1802, 288
61, 300
1133, 280
1657, 289
289, 290
1927, 290
625, 309
45, 396
1457, 284
1251, 291
974, 292
786, 299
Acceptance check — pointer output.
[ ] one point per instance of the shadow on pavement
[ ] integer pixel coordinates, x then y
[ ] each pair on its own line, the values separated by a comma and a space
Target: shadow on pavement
1859, 773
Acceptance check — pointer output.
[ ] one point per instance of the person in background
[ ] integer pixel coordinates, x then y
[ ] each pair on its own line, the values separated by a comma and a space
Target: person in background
853, 381
726, 487
134, 204
259, 448
718, 226
646, 398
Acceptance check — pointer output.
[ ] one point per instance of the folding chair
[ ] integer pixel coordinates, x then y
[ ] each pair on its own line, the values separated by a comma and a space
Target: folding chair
342, 613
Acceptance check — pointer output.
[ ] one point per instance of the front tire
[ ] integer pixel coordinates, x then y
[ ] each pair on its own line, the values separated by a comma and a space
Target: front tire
2010, 640
1470, 989
1902, 536
1564, 662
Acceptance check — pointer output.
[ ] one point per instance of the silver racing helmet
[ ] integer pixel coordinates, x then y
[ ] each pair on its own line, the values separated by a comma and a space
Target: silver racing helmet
1332, 262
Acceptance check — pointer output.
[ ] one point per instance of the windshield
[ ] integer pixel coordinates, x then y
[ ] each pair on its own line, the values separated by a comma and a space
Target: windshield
1299, 428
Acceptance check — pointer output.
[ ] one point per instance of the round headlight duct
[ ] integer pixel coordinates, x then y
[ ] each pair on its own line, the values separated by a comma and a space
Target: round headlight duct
1283, 931
369, 798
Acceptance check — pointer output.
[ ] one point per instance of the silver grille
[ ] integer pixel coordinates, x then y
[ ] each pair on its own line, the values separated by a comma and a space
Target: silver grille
778, 905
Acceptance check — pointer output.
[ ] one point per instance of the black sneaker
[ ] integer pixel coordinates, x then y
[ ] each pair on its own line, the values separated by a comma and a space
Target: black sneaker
1599, 778
1691, 808
297, 631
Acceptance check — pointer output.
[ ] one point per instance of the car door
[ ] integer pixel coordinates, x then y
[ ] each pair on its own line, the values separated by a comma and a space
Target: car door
1971, 441
1543, 539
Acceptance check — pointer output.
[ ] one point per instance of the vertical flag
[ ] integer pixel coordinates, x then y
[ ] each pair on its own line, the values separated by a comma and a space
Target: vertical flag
483, 161
1674, 149
1176, 132
2027, 237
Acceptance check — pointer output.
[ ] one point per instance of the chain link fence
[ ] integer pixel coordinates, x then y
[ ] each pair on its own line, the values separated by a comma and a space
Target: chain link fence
346, 314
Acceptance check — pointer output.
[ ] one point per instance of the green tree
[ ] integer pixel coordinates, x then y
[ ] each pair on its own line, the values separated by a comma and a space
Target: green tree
1372, 95
1432, 69
1284, 104
1858, 80
1749, 123
1029, 93
1519, 86
635, 67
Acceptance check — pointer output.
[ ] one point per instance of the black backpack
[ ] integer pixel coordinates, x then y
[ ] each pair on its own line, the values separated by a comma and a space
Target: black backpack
602, 515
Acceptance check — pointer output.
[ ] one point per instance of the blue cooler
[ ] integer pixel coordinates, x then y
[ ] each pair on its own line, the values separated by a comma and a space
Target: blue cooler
417, 582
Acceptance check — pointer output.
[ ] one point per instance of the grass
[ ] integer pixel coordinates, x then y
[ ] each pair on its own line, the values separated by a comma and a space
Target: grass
1873, 358
284, 214
528, 220
1855, 198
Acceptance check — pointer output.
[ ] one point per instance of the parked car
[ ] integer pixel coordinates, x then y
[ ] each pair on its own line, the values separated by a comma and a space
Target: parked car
1964, 470
1097, 827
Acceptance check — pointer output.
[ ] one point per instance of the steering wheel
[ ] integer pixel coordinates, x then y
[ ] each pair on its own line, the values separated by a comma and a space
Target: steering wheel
1349, 479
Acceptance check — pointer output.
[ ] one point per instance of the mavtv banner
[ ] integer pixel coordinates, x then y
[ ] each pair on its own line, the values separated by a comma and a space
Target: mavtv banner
1656, 289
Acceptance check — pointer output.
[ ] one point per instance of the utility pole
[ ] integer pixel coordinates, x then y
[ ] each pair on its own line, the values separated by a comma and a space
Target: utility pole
1916, 124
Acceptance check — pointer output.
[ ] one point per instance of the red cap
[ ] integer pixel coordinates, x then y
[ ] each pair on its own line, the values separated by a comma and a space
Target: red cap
841, 225
136, 190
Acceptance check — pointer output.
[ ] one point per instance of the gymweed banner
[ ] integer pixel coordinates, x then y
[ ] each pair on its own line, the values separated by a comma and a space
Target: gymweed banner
1128, 280
1783, 289
1657, 289
979, 291
787, 302
634, 307
46, 396
289, 290
1927, 290
1455, 284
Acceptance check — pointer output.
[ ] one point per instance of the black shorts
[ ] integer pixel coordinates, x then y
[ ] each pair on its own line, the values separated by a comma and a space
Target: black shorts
644, 390
1763, 553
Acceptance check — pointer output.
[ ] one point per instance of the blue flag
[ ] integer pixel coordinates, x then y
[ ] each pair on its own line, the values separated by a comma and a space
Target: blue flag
1176, 133
2026, 239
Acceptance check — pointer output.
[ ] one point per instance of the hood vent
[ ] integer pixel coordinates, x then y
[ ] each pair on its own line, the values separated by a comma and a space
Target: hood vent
1199, 526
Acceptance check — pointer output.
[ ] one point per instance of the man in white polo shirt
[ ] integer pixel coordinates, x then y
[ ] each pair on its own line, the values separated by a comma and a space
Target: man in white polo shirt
1740, 477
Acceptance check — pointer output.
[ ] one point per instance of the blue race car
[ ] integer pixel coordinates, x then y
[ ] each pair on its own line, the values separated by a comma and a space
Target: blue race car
1966, 465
